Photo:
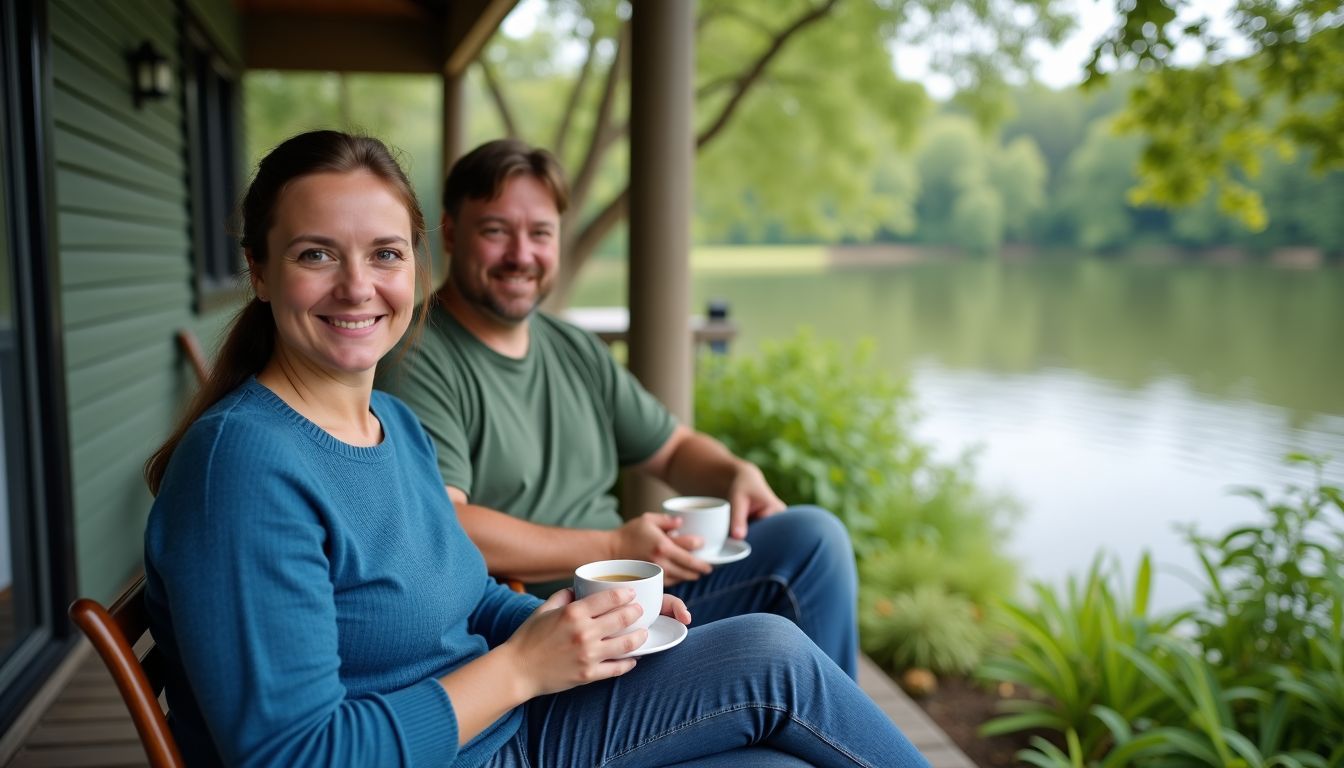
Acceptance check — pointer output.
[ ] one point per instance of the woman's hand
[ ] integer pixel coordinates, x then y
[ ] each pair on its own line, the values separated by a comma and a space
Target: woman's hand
568, 642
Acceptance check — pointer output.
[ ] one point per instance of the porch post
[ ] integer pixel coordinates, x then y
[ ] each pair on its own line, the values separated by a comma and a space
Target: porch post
454, 121
454, 129
662, 153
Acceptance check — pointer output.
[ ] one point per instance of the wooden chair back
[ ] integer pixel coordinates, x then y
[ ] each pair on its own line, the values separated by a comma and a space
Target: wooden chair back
113, 633
191, 349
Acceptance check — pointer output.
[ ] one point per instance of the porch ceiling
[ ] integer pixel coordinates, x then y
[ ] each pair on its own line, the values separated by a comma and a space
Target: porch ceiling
408, 36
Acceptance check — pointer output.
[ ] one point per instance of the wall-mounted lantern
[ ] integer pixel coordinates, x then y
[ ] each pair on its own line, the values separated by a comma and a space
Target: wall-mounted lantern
151, 74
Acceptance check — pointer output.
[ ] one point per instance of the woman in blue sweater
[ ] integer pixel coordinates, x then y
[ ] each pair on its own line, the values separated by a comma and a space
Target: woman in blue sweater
319, 604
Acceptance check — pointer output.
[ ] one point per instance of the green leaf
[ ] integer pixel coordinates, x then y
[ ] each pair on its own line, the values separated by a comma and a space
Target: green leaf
1244, 747
1192, 745
1118, 726
1143, 585
1014, 723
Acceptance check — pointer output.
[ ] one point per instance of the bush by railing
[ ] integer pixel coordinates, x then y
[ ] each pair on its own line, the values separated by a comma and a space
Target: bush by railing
828, 426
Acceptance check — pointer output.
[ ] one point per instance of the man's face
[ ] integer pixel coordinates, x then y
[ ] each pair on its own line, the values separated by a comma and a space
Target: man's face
505, 251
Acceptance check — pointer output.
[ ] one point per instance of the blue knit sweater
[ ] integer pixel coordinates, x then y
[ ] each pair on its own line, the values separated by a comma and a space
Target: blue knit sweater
307, 593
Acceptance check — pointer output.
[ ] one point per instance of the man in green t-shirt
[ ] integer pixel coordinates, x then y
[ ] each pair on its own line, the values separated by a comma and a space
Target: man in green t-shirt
533, 420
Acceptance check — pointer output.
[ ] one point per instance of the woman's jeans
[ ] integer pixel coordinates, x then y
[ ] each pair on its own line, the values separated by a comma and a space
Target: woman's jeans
801, 567
754, 687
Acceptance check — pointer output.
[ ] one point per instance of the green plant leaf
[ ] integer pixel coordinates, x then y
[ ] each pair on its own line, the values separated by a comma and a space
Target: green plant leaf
1310, 760
1193, 745
1143, 585
1014, 723
1115, 722
1047, 755
1157, 676
1243, 746
1149, 744
1075, 749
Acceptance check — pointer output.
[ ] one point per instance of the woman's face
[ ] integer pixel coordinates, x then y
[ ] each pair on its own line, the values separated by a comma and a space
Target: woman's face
340, 275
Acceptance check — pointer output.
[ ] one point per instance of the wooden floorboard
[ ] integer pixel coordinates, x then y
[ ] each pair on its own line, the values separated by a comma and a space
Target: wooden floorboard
100, 756
88, 725
925, 734
57, 734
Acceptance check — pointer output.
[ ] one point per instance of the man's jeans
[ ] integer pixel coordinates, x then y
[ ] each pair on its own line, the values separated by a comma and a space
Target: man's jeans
801, 567
744, 691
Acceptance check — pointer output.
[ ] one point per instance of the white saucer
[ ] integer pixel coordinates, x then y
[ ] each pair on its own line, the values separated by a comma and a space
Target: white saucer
665, 633
733, 550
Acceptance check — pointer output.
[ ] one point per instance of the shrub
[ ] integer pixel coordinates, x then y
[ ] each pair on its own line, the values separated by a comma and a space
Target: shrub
1271, 618
1270, 588
1070, 652
1254, 677
827, 426
824, 426
926, 627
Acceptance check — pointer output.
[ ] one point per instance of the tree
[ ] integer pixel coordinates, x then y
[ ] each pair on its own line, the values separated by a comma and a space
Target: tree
1207, 127
797, 102
1093, 188
974, 192
952, 164
1019, 174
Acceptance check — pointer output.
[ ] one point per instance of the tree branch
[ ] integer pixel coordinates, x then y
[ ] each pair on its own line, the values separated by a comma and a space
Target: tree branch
757, 68
572, 104
600, 225
497, 95
711, 86
602, 135
583, 245
723, 12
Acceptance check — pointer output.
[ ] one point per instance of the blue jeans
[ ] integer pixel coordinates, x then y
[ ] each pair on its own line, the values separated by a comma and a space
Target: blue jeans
801, 567
750, 690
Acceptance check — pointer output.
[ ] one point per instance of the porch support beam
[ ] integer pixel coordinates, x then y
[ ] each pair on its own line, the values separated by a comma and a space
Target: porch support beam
470, 25
662, 156
390, 44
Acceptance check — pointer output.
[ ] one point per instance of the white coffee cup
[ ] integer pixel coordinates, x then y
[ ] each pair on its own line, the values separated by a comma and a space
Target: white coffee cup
644, 577
703, 516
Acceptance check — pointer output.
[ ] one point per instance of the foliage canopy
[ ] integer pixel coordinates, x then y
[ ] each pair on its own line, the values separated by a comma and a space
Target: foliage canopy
1209, 126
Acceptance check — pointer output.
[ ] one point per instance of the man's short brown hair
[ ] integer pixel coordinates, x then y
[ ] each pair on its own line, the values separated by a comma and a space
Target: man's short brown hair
481, 173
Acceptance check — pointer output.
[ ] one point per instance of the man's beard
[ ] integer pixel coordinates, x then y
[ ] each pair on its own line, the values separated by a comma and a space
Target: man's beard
487, 302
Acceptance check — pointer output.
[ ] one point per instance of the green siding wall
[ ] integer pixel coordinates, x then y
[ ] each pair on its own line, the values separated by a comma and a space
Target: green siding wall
123, 244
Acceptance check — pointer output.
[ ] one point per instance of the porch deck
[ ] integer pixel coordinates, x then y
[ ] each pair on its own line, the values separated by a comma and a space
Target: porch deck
87, 725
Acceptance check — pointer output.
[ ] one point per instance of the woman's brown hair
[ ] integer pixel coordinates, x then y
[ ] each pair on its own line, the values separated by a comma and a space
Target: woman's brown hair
250, 339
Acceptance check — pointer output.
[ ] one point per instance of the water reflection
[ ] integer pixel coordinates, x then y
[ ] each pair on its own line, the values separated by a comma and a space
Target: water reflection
1101, 467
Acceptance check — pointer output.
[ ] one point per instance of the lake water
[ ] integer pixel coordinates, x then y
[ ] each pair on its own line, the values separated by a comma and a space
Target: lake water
1112, 400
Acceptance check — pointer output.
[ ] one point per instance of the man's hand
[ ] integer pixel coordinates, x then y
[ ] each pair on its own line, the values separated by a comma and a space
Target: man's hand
648, 537
750, 497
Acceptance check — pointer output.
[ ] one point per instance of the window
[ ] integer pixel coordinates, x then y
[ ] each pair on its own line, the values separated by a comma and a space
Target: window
36, 561
211, 109
15, 621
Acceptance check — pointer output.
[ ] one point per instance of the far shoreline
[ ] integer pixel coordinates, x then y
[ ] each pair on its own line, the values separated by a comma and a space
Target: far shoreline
813, 258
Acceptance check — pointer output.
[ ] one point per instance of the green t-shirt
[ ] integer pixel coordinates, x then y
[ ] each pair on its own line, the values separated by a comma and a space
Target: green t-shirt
541, 438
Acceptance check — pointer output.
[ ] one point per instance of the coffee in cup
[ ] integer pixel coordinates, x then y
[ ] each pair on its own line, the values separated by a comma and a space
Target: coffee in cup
703, 516
644, 577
